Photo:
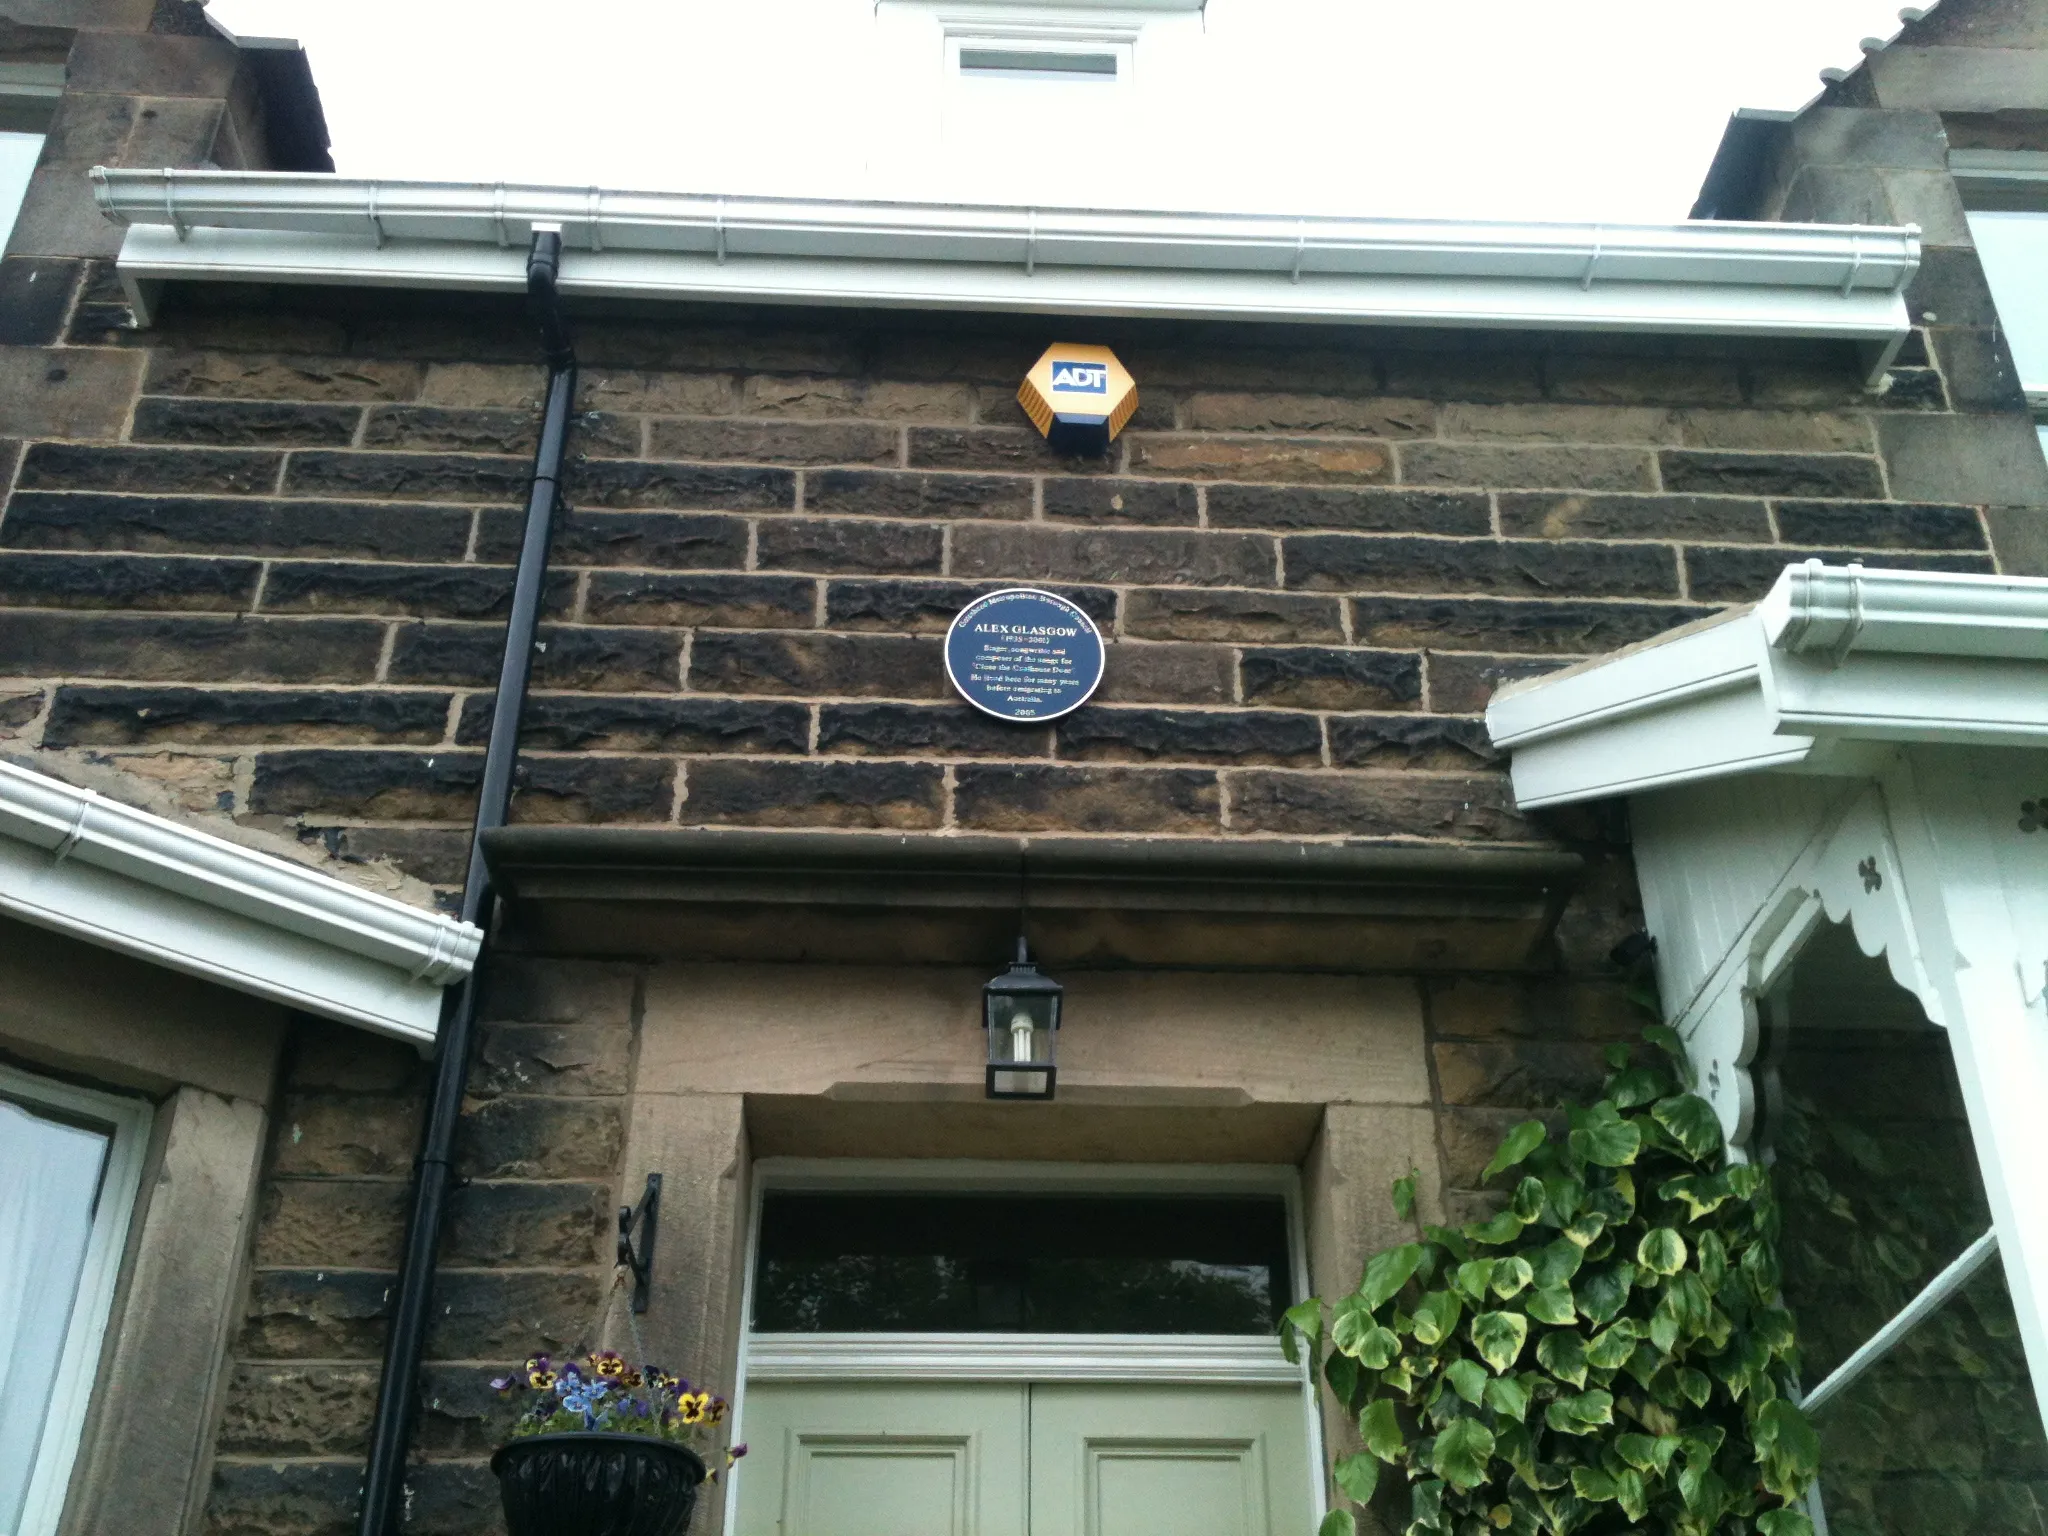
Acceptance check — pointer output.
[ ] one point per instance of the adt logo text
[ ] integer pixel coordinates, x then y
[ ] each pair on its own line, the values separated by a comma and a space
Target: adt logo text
1085, 378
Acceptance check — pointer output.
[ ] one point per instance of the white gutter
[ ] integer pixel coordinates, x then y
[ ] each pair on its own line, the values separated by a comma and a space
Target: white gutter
1719, 278
76, 862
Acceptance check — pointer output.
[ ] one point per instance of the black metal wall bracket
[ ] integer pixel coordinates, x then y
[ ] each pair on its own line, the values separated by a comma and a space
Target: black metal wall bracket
640, 1260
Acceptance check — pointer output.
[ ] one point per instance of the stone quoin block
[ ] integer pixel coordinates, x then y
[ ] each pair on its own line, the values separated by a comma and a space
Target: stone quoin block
189, 647
574, 722
126, 581
239, 423
900, 796
1318, 677
873, 666
1374, 510
215, 525
35, 292
1513, 568
1097, 734
81, 716
1032, 798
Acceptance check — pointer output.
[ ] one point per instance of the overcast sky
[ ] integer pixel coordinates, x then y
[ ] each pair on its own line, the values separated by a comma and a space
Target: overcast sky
1585, 109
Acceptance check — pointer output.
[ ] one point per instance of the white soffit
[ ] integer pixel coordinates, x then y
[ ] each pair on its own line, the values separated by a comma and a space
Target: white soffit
1707, 277
1834, 660
84, 865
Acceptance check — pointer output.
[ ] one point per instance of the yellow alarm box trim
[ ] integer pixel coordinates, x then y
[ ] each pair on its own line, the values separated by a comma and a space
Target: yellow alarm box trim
1079, 397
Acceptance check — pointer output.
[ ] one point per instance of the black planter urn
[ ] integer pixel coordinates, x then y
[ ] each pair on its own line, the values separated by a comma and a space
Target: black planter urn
597, 1485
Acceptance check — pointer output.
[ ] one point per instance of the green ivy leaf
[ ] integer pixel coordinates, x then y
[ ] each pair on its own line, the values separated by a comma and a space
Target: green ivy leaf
1338, 1522
1528, 1199
1404, 1199
1713, 1255
1662, 1252
1508, 1398
1451, 1242
1692, 1123
1426, 1505
1610, 1350
1759, 1267
1553, 1304
1787, 1448
1381, 1430
1666, 1040
1467, 1379
1637, 1087
1341, 1372
1351, 1321
1499, 1337
1556, 1262
1510, 1276
1784, 1522
1462, 1452
1379, 1349
1503, 1228
1387, 1273
1564, 1356
1744, 1178
1306, 1319
1580, 1415
1639, 1451
1593, 1485
1632, 1493
1587, 1229
1603, 1292
1514, 1147
1358, 1476
1563, 1198
1436, 1316
1473, 1278
1605, 1138
1696, 1386
1703, 1193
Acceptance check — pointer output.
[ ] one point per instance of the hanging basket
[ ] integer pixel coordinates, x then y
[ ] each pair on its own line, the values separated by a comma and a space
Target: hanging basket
597, 1485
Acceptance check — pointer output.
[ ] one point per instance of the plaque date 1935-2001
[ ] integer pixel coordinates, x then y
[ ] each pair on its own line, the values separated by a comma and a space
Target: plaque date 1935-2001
1023, 654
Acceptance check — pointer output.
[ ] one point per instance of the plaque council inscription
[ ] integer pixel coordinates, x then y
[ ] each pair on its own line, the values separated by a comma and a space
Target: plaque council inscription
1022, 654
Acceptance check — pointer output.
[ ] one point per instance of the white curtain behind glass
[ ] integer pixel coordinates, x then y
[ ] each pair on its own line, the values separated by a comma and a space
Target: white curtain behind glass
49, 1173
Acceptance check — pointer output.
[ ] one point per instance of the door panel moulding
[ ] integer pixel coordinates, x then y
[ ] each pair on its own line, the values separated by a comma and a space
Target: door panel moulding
1704, 278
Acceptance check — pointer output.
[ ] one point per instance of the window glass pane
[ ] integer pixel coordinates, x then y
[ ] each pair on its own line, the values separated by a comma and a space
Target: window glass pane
46, 1207
18, 153
1043, 1264
2014, 250
1940, 1436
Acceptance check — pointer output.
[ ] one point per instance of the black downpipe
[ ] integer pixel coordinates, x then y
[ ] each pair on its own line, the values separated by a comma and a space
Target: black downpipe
397, 1394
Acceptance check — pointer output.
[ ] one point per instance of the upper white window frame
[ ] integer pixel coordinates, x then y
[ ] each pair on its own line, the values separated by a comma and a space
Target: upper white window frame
127, 1123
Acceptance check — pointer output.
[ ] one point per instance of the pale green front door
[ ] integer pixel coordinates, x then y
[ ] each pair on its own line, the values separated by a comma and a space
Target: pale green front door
1023, 1459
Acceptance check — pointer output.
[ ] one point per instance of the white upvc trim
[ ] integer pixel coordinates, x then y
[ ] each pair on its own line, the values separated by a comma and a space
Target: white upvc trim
79, 863
1832, 658
128, 1121
1188, 1359
1958, 1273
1708, 277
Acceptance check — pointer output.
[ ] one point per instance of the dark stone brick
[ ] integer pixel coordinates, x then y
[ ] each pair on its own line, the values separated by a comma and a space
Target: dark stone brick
451, 1498
422, 591
573, 722
1722, 519
487, 1315
1601, 379
35, 291
1510, 624
903, 796
1914, 389
874, 666
283, 1498
1478, 808
243, 423
460, 1416
1317, 677
1075, 499
1365, 510
1437, 743
298, 1410
540, 1138
526, 1226
774, 442
324, 1314
277, 376
1530, 1008
439, 428
346, 1223
126, 581
437, 855
84, 467
1165, 672
1030, 798
188, 648
104, 717
326, 1054
672, 540
561, 1060
1881, 525
1593, 469
1978, 367
1464, 683
859, 545
1771, 474
1097, 734
1519, 1074
623, 483
724, 602
442, 786
1012, 448
1450, 373
1362, 416
1295, 460
347, 1134
1338, 562
1949, 288
1170, 613
567, 656
160, 524
18, 709
1155, 557
929, 607
415, 476
545, 990
1744, 575
879, 493
924, 730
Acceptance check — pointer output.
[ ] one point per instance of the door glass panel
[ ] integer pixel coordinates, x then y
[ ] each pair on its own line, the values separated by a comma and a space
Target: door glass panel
1878, 1178
1044, 1264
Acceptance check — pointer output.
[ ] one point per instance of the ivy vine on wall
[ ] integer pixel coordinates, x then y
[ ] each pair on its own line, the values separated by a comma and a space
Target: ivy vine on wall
1608, 1353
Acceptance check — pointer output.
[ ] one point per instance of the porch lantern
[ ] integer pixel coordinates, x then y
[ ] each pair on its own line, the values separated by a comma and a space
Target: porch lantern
1021, 1012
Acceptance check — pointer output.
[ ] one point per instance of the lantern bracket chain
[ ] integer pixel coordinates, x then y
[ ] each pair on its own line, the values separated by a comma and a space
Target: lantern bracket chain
638, 1258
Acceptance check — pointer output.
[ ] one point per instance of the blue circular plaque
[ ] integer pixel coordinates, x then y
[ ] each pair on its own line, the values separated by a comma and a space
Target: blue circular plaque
1022, 654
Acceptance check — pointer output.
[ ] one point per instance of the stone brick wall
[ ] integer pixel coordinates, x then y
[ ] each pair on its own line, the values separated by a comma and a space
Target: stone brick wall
272, 558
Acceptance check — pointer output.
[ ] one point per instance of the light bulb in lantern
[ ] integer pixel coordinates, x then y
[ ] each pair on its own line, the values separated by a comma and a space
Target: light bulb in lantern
1020, 1036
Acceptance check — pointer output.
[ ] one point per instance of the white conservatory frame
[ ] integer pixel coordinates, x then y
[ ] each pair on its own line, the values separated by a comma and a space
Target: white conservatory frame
1861, 746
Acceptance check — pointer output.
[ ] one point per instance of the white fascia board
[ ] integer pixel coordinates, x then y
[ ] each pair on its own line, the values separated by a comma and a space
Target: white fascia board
1717, 278
1832, 657
76, 862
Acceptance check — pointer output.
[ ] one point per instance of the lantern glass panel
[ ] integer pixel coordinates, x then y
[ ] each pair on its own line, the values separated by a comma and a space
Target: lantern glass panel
1022, 1023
